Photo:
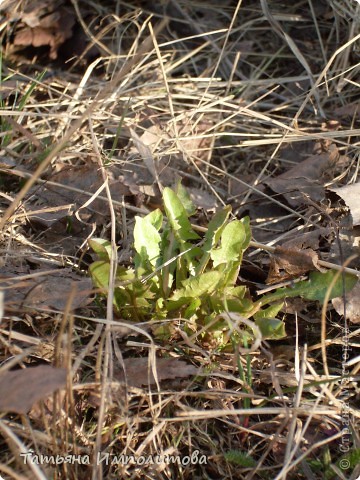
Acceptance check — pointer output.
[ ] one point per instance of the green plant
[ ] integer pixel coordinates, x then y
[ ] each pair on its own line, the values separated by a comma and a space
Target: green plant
240, 458
177, 274
329, 467
18, 105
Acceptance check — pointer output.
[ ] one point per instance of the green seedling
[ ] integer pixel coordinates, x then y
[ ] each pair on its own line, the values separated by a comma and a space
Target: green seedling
178, 274
18, 104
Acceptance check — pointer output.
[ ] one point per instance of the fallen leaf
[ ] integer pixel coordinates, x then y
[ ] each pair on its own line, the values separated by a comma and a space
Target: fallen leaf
202, 198
145, 153
295, 257
139, 370
350, 194
61, 205
263, 210
352, 299
349, 110
297, 152
8, 87
75, 185
194, 141
159, 165
237, 189
7, 162
305, 178
163, 171
48, 291
20, 389
288, 263
55, 291
308, 239
43, 25
314, 432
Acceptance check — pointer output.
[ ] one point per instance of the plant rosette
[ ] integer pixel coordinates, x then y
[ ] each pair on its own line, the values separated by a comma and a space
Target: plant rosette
179, 275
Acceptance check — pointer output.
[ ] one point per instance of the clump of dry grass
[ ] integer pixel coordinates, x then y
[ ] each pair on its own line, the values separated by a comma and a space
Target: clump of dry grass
225, 90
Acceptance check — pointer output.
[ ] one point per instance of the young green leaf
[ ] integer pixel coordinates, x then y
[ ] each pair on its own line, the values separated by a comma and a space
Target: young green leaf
212, 236
101, 247
246, 222
315, 288
196, 286
269, 312
185, 199
177, 216
242, 459
271, 328
192, 308
352, 458
27, 95
215, 228
100, 273
239, 291
147, 241
231, 249
155, 218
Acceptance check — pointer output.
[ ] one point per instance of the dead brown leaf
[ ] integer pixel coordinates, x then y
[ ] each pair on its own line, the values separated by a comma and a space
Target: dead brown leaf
237, 189
48, 291
349, 110
58, 206
351, 195
296, 256
20, 389
352, 299
194, 141
202, 198
142, 178
305, 178
8, 87
55, 291
288, 263
45, 26
314, 432
75, 185
159, 167
138, 372
297, 152
145, 153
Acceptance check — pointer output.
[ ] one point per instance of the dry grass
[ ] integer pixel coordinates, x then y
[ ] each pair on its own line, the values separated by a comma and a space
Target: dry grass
229, 76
